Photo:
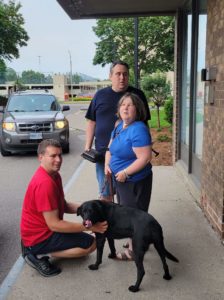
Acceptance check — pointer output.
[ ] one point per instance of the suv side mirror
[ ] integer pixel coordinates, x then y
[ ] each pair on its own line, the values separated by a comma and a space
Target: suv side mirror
65, 107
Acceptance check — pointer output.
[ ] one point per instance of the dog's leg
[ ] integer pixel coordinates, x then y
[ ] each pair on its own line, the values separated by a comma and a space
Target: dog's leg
112, 248
138, 256
140, 270
159, 245
100, 241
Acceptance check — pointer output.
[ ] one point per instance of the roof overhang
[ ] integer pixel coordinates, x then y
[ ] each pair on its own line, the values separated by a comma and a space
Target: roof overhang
94, 9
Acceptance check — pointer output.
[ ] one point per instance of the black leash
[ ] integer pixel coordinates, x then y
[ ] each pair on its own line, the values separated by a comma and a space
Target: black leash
108, 180
156, 153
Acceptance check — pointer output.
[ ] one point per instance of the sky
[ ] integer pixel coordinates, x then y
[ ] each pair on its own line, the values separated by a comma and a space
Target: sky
53, 38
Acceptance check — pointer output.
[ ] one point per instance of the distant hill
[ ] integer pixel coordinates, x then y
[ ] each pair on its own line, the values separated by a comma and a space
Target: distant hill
87, 77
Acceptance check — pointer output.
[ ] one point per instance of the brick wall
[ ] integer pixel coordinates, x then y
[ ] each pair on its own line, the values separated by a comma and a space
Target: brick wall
212, 192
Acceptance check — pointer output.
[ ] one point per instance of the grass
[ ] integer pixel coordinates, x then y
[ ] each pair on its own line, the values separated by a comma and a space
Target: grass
154, 121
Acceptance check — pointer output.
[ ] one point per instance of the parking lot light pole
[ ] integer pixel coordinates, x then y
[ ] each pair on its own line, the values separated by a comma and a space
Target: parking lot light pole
70, 60
39, 64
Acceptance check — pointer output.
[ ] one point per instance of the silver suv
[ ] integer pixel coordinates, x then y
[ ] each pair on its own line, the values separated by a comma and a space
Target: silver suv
28, 118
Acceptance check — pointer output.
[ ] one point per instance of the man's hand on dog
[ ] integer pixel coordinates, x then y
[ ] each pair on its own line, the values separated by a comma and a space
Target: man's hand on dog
100, 227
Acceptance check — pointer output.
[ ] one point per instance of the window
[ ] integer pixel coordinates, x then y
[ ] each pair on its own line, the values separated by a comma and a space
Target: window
193, 33
200, 85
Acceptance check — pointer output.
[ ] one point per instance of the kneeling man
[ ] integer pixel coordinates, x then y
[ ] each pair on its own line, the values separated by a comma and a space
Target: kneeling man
44, 233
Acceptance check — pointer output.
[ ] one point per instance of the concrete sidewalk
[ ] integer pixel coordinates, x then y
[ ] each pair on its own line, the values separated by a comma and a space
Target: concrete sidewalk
199, 275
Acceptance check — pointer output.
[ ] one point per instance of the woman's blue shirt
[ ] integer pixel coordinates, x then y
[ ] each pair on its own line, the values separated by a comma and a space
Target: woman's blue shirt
121, 149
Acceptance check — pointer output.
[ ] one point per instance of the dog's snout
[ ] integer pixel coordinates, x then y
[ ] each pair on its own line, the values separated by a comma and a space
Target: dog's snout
87, 223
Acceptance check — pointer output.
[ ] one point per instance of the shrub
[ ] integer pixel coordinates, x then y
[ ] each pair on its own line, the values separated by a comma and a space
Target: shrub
82, 99
163, 138
168, 108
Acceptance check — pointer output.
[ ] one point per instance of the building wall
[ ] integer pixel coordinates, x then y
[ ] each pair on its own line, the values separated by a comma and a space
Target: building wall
212, 186
211, 193
60, 86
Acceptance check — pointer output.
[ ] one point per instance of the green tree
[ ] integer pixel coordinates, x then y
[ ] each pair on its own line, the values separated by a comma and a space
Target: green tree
2, 71
10, 75
76, 78
12, 33
157, 89
168, 108
156, 42
48, 79
31, 76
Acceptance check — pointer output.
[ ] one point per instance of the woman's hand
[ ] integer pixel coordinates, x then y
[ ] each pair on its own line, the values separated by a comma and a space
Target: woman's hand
121, 176
107, 170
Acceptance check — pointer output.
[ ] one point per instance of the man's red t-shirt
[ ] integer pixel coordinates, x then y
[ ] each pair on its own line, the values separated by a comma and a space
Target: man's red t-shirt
44, 193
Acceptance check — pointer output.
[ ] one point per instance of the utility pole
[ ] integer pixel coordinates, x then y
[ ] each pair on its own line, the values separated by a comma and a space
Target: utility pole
70, 60
39, 61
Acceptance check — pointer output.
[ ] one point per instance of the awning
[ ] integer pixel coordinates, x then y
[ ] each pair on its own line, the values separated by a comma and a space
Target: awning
93, 9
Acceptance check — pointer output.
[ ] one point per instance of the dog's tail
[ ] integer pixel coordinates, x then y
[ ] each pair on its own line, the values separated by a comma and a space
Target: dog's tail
171, 256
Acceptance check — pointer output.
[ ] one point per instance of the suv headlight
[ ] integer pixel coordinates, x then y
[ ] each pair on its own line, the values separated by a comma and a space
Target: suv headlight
9, 126
61, 124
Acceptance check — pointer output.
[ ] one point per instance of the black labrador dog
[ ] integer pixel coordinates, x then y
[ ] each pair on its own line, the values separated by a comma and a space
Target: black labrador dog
125, 222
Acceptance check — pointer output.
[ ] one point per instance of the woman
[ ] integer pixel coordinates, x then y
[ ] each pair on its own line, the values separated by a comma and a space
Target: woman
128, 158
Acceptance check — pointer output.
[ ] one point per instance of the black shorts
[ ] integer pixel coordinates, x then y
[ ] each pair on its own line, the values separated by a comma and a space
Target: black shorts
135, 194
62, 241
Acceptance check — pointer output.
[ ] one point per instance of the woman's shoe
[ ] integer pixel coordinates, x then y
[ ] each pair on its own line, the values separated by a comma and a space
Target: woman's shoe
126, 245
127, 255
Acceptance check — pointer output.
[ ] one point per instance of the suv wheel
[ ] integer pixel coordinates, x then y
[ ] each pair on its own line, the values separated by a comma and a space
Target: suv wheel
66, 149
4, 152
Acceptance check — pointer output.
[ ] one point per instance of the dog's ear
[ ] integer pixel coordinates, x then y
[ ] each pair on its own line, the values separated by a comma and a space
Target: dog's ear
78, 211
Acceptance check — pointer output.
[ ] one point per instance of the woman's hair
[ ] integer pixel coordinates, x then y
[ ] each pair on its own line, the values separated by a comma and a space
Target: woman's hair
139, 106
46, 143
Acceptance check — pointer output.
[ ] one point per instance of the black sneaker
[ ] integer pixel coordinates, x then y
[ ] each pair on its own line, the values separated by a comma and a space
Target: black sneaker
42, 265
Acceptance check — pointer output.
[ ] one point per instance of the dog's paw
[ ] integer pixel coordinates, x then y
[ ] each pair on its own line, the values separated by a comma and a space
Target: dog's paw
167, 277
133, 288
93, 267
112, 255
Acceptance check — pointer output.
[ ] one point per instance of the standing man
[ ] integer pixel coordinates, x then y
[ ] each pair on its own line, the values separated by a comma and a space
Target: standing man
43, 230
102, 115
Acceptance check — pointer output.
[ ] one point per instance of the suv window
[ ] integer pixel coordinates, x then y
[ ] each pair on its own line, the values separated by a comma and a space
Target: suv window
29, 103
